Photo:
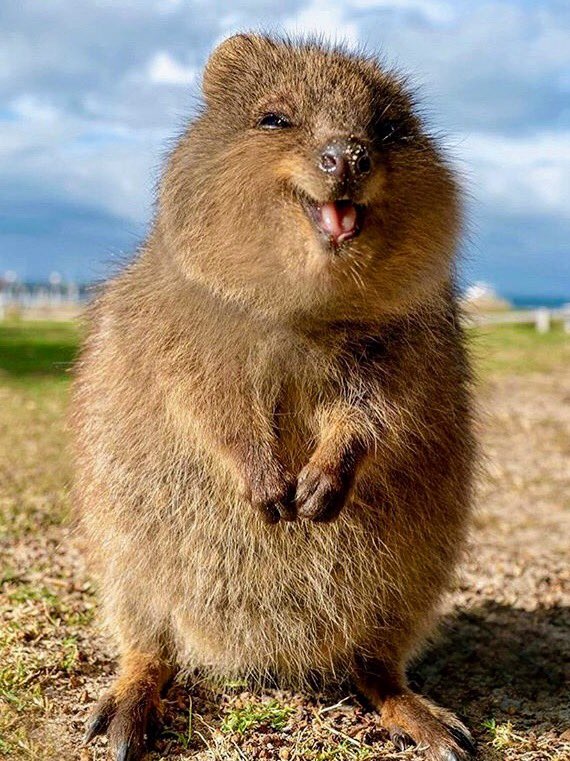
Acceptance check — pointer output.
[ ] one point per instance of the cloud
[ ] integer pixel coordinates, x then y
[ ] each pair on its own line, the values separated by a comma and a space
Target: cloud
521, 174
66, 157
324, 18
433, 10
338, 20
90, 93
31, 108
164, 69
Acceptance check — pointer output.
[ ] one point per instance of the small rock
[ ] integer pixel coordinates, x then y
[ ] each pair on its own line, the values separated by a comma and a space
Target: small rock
510, 706
565, 736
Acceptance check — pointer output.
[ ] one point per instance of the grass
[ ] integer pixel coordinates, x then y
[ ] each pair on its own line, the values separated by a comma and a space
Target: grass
501, 349
42, 621
39, 646
33, 352
502, 735
271, 714
46, 606
343, 751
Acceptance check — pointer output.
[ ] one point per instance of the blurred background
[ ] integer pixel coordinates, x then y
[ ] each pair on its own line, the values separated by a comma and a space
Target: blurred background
92, 94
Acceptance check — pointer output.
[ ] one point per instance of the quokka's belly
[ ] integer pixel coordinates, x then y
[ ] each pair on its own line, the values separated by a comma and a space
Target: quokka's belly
289, 599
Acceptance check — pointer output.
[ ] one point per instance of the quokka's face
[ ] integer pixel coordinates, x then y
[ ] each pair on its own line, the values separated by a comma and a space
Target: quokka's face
316, 159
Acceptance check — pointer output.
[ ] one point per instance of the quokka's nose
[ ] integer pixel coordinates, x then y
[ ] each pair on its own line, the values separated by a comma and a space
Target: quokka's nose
345, 159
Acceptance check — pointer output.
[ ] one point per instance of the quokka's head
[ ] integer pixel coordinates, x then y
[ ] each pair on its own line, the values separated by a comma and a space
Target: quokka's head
308, 186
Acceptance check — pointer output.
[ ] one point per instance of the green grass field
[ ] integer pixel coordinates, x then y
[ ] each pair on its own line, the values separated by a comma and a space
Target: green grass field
33, 353
519, 349
53, 661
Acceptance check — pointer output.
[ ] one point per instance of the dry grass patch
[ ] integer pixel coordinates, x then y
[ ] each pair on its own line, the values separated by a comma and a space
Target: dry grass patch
500, 661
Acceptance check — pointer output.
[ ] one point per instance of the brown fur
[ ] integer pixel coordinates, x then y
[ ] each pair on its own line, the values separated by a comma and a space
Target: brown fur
237, 361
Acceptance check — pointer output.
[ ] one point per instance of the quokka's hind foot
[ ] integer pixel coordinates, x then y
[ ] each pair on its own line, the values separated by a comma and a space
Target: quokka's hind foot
129, 712
411, 719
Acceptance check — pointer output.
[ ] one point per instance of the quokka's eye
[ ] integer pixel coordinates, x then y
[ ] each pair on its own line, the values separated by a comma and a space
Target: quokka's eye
392, 132
274, 121
388, 130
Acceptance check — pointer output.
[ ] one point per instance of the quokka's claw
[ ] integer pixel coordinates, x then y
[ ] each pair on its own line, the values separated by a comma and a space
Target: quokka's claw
401, 740
463, 739
100, 718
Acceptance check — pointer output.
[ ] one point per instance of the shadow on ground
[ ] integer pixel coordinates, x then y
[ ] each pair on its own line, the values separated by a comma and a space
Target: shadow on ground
503, 663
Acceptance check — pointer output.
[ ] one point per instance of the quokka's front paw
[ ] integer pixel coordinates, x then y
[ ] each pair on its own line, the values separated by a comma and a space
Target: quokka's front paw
321, 494
273, 498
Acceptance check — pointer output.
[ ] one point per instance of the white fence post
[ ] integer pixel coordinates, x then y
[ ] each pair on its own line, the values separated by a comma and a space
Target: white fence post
542, 320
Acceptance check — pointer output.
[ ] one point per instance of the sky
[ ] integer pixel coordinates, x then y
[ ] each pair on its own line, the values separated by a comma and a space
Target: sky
93, 93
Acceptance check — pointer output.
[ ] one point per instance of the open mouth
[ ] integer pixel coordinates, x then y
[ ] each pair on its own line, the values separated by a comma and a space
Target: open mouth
336, 221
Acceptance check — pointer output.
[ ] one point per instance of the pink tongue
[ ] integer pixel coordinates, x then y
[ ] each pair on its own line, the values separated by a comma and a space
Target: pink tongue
338, 218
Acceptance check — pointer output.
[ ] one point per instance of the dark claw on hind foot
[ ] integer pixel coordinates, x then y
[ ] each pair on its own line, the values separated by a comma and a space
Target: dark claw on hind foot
96, 726
463, 739
127, 725
400, 740
129, 733
128, 751
99, 720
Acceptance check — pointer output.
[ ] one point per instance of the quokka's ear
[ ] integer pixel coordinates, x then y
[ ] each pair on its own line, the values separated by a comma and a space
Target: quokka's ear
232, 60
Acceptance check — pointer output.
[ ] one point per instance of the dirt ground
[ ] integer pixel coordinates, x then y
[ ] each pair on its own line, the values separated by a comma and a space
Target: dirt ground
502, 660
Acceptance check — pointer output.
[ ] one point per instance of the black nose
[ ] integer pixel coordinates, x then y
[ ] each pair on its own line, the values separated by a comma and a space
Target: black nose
344, 159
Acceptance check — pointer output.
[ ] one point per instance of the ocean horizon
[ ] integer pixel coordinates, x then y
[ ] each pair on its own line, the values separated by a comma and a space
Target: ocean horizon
533, 302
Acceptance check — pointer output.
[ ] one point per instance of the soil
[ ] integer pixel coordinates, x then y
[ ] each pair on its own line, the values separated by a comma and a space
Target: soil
501, 660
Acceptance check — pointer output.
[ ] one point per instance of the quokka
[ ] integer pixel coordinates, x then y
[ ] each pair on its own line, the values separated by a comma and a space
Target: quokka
272, 408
